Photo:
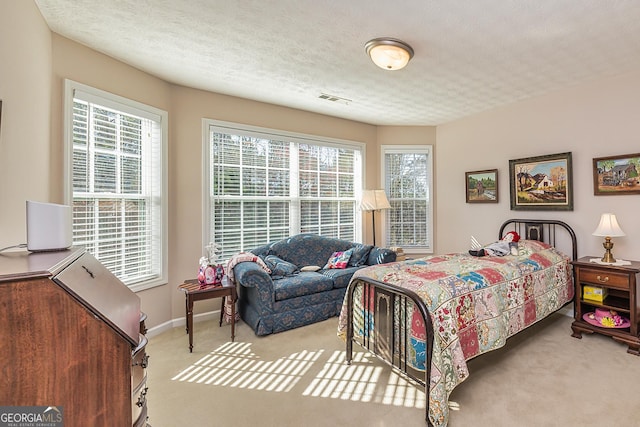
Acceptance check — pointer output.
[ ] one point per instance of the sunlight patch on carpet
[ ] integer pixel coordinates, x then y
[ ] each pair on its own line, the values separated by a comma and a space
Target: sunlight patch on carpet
362, 381
235, 365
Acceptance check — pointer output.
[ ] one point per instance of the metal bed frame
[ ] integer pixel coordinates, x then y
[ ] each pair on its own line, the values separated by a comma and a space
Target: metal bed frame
390, 340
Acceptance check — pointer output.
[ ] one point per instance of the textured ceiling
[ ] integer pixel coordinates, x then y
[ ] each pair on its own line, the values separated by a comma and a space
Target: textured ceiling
470, 55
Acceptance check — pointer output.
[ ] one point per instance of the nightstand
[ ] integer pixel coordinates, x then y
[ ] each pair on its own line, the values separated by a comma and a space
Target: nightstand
619, 284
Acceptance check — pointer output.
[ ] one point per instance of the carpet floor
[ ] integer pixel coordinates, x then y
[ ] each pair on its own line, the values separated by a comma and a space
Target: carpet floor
542, 377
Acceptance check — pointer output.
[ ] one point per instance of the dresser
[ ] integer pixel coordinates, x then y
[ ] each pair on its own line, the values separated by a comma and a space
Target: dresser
71, 339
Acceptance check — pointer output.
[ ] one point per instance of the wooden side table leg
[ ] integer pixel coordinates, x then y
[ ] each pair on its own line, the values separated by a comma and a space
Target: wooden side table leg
186, 311
190, 322
233, 317
224, 303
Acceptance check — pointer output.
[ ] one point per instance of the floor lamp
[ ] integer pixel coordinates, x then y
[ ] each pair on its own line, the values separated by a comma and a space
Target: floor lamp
374, 200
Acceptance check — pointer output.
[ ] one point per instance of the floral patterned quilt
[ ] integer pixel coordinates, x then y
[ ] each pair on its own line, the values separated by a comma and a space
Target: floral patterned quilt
475, 304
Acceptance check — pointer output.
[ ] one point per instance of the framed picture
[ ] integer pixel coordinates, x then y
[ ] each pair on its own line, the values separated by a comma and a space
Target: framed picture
542, 183
482, 186
616, 175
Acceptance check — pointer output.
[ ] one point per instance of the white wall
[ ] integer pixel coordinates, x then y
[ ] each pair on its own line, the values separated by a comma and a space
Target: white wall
590, 120
25, 91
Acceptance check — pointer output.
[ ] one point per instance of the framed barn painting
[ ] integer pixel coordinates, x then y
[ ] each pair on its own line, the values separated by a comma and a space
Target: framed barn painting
542, 183
616, 175
482, 186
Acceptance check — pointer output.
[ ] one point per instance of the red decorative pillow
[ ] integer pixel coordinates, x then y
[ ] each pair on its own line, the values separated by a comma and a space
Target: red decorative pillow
339, 259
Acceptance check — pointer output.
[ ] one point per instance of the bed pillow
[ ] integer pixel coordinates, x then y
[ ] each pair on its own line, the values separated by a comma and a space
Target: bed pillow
280, 267
360, 255
339, 259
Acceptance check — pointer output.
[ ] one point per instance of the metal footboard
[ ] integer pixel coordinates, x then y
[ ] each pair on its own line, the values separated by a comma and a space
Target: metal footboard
386, 330
386, 327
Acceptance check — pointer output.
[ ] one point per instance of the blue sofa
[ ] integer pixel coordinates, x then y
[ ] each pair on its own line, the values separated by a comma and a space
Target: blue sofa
292, 296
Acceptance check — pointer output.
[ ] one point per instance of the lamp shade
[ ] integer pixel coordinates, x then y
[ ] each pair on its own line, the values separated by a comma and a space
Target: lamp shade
388, 53
608, 226
373, 200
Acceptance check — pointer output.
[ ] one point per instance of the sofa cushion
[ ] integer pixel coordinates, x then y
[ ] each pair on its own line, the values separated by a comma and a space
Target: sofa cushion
308, 249
380, 256
279, 267
360, 255
341, 278
338, 259
305, 283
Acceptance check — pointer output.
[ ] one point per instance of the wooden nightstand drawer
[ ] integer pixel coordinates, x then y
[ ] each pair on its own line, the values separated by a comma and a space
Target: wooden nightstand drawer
606, 278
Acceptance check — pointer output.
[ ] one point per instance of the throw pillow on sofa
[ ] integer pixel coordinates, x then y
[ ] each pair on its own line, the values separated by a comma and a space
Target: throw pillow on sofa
339, 259
279, 267
360, 255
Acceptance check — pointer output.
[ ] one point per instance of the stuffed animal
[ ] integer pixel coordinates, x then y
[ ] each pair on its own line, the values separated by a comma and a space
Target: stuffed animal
507, 246
511, 236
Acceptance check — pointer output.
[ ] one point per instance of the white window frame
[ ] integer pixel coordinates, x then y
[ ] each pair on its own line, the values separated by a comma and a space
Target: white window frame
126, 105
409, 149
208, 124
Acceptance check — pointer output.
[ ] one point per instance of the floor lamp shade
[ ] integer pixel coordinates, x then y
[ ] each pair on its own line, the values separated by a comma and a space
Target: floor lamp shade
374, 200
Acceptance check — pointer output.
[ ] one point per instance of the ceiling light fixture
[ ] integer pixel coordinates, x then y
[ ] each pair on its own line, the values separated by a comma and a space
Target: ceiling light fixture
388, 53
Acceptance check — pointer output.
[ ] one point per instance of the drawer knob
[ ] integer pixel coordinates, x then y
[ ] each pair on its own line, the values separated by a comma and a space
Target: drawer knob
604, 279
144, 362
142, 399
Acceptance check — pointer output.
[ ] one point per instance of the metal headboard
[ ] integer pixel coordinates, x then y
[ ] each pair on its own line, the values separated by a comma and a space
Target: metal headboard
543, 230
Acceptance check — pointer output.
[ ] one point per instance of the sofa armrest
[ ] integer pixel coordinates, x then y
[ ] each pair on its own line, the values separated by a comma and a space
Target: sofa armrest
251, 275
381, 256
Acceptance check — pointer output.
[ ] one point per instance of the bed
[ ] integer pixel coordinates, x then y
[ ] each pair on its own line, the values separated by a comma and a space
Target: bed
427, 317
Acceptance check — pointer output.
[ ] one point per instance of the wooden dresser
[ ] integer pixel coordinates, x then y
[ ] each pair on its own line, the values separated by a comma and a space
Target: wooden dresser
620, 287
70, 335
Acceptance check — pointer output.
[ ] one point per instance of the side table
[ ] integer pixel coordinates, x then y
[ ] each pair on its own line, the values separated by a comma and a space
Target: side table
621, 286
193, 291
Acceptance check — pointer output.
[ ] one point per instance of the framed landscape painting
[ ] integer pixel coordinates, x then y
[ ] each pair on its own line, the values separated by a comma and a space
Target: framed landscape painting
482, 186
616, 175
542, 183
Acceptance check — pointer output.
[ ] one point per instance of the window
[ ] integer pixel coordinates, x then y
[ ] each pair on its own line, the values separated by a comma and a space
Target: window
116, 180
265, 185
407, 177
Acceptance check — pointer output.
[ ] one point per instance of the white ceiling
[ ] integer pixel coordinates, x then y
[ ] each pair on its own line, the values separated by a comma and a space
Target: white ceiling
470, 55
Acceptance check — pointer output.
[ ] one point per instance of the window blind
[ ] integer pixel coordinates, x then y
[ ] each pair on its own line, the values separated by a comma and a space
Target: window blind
407, 181
117, 186
265, 186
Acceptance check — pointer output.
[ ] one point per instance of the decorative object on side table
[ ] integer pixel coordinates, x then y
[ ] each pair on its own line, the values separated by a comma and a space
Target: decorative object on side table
211, 272
608, 228
615, 312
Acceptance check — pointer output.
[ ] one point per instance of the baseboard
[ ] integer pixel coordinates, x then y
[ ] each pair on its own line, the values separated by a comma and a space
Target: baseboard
181, 322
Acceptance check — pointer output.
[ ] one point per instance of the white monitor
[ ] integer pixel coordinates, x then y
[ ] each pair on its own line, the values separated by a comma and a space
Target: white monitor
49, 227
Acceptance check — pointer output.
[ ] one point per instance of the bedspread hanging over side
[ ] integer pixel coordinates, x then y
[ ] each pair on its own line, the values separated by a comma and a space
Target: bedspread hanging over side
475, 303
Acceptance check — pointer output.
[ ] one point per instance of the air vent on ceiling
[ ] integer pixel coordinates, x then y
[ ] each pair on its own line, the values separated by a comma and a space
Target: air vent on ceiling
334, 98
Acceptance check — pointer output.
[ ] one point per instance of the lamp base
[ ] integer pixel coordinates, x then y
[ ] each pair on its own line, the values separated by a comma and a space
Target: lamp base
608, 256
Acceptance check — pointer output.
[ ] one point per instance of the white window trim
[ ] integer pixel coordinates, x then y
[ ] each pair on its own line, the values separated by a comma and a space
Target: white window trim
127, 104
270, 133
409, 149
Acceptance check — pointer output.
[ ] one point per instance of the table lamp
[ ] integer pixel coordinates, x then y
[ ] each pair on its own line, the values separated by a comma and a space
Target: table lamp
374, 200
608, 228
